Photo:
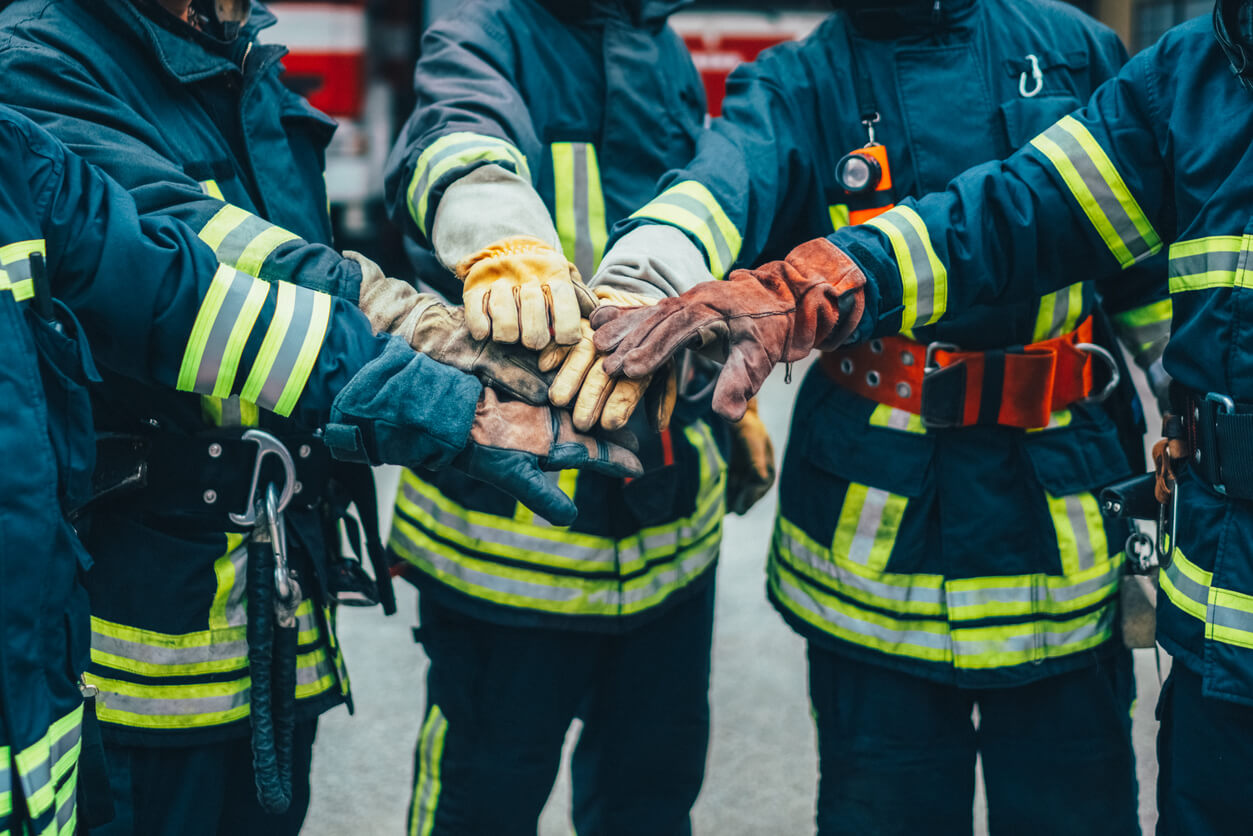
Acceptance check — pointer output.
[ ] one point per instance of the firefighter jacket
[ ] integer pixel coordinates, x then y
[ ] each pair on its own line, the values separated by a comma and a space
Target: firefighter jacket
143, 292
974, 556
200, 129
590, 107
1159, 159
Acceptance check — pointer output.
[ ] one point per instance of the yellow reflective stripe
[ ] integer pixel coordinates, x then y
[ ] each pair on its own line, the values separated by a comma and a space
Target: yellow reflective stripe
315, 674
869, 520
597, 216
225, 221
1146, 330
1186, 585
980, 648
220, 332
262, 247
1061, 418
137, 635
1059, 313
425, 801
889, 417
924, 279
973, 599
212, 189
171, 706
290, 349
839, 216
1206, 263
1100, 190
67, 807
1227, 614
1081, 541
690, 206
579, 210
454, 151
242, 239
228, 569
15, 275
44, 762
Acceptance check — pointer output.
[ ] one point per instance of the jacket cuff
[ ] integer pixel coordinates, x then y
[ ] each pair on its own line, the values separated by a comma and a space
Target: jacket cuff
488, 205
653, 260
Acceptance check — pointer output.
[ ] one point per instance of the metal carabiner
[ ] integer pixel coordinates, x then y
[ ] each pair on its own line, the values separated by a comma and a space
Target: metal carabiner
1115, 376
1036, 76
287, 593
870, 123
267, 445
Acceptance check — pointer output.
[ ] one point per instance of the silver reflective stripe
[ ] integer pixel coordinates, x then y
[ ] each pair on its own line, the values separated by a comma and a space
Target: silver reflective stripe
1039, 593
513, 586
65, 744
237, 241
690, 204
674, 576
1194, 591
430, 752
918, 262
584, 253
1086, 555
1061, 310
1214, 261
688, 533
1036, 639
898, 419
1234, 619
150, 706
320, 666
801, 553
166, 656
505, 537
224, 322
36, 778
236, 605
918, 638
475, 144
66, 810
289, 350
868, 524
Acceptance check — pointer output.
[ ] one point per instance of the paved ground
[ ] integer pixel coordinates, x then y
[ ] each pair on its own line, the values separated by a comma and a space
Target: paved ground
762, 771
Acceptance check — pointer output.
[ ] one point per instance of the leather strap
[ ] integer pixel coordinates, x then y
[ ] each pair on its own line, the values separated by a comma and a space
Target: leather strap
1020, 386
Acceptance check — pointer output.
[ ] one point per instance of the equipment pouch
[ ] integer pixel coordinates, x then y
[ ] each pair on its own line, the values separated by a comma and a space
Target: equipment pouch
651, 498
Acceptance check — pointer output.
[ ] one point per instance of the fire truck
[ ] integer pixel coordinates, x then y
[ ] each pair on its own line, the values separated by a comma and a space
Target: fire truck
354, 59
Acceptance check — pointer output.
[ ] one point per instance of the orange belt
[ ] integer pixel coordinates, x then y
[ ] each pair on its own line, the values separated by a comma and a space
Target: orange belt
1020, 386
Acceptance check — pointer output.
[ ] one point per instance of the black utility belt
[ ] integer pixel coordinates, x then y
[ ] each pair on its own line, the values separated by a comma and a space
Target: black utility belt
205, 478
1218, 431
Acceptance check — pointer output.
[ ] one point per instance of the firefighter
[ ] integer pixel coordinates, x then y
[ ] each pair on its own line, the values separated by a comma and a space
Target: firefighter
77, 262
935, 557
182, 104
538, 125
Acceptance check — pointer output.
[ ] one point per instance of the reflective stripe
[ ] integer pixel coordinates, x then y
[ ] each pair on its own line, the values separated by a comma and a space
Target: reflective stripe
567, 482
924, 279
243, 240
15, 275
67, 808
1100, 190
453, 151
1080, 531
1146, 330
45, 762
1061, 418
972, 599
896, 419
228, 412
315, 673
6, 794
430, 759
580, 204
691, 207
869, 520
980, 648
290, 349
228, 609
1060, 313
1206, 263
212, 189
839, 216
1227, 614
220, 333
171, 706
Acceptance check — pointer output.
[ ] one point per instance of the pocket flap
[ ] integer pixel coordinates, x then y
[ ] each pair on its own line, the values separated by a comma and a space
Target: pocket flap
1083, 456
842, 442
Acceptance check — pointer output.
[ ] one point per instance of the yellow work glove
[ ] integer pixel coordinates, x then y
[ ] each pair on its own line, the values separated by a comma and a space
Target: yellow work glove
600, 398
521, 289
750, 472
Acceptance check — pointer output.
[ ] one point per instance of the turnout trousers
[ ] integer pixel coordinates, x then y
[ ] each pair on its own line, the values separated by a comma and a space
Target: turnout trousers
1205, 761
897, 752
204, 790
501, 699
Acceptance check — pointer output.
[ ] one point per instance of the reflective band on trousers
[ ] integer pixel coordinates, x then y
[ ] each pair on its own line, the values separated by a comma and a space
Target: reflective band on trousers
691, 207
511, 563
579, 208
47, 776
1227, 614
15, 275
449, 153
425, 801
243, 240
924, 279
1099, 190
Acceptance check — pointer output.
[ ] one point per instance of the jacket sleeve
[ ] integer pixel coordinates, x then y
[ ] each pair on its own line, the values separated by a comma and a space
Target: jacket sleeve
470, 129
1089, 195
156, 305
62, 98
742, 181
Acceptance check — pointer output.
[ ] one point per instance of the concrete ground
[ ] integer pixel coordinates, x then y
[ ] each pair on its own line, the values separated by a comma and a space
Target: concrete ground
762, 773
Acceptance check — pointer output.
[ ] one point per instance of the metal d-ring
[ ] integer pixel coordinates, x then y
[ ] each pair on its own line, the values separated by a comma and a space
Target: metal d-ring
267, 445
1115, 377
1036, 75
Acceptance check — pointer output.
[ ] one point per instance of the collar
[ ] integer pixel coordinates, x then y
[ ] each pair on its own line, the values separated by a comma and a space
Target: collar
903, 19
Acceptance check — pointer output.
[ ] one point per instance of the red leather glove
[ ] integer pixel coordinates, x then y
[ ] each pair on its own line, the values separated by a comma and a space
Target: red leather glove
776, 313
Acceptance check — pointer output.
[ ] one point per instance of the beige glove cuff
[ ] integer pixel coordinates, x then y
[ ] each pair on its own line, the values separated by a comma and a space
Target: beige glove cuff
489, 204
391, 305
655, 261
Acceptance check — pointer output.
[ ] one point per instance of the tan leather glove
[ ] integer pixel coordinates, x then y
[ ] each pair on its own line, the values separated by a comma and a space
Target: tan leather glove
521, 289
439, 331
750, 473
598, 398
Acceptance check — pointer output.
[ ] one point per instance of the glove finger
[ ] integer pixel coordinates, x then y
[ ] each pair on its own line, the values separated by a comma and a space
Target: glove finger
570, 379
528, 484
588, 302
502, 307
597, 453
734, 388
477, 319
623, 327
563, 305
553, 355
621, 404
596, 390
533, 315
623, 438
661, 396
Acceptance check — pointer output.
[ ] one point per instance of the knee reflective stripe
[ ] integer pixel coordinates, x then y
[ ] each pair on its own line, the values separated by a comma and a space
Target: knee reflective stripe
1100, 190
1205, 263
430, 765
223, 325
1227, 614
924, 279
449, 153
691, 207
1081, 541
1146, 330
892, 418
15, 268
1060, 313
869, 520
580, 204
243, 240
45, 770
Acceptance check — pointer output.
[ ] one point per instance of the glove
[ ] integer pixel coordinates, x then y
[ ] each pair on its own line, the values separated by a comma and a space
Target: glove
750, 473
440, 332
511, 443
521, 288
601, 399
777, 313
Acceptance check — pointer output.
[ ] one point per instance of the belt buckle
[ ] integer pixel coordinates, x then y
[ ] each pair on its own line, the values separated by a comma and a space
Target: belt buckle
930, 367
1225, 406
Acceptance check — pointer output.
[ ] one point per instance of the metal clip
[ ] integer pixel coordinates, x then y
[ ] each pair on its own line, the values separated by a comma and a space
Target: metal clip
870, 123
1166, 547
267, 445
287, 593
1036, 75
1226, 406
1115, 377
